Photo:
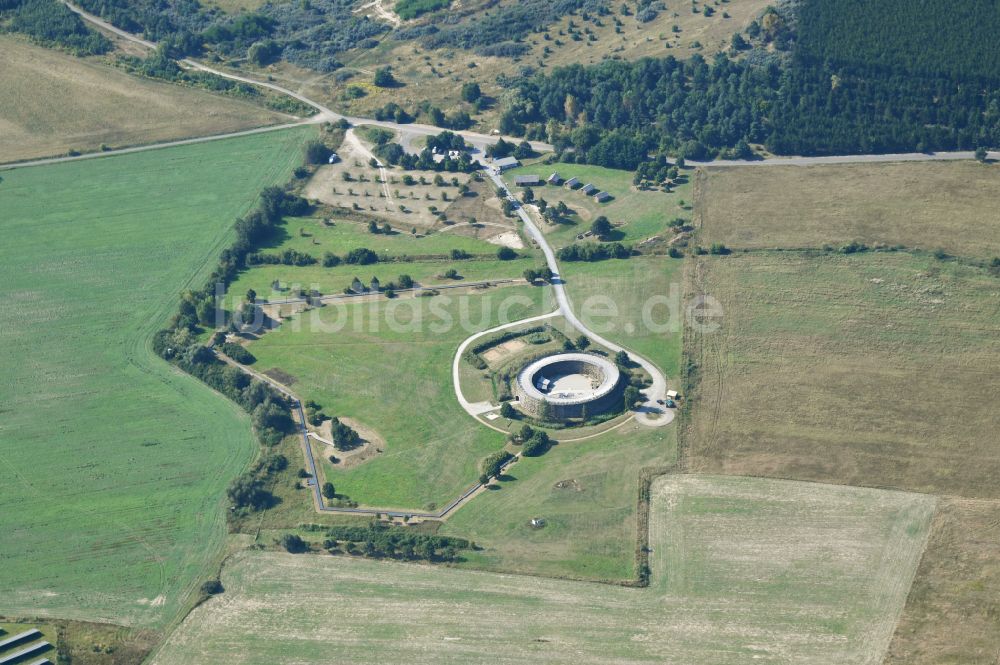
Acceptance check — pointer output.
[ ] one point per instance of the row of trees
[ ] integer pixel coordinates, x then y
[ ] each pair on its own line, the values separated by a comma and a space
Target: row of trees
593, 251
379, 540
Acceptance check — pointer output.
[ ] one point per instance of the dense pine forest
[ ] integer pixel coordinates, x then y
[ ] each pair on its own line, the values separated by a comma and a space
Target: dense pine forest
928, 37
855, 80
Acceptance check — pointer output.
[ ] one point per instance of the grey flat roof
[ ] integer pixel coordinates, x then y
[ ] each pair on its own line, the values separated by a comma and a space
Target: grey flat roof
506, 161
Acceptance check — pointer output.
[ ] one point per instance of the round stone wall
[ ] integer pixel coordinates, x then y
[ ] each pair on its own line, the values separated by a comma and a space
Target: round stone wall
544, 381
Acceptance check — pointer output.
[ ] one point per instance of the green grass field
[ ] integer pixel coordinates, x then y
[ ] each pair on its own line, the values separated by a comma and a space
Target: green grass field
586, 491
637, 302
345, 235
388, 365
334, 280
591, 522
114, 463
637, 215
814, 574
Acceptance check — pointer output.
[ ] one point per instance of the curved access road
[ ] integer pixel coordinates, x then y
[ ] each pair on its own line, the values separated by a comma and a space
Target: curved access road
476, 409
650, 413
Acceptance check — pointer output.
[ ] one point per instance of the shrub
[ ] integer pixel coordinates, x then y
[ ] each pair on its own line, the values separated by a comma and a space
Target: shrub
493, 463
537, 445
631, 397
384, 78
507, 411
293, 543
506, 254
317, 152
238, 353
361, 256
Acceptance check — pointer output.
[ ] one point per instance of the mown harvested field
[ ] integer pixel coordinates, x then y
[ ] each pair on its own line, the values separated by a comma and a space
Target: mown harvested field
53, 103
929, 205
115, 465
818, 574
952, 614
873, 370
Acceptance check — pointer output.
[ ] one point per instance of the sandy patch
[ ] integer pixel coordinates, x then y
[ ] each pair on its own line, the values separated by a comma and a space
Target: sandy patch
501, 351
507, 239
372, 444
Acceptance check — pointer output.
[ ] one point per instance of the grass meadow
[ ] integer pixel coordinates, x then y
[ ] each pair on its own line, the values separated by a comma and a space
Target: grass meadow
637, 215
54, 102
815, 574
646, 311
875, 370
585, 490
115, 464
312, 236
929, 206
330, 281
396, 379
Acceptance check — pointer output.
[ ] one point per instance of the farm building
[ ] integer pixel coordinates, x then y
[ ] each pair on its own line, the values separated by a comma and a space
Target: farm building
555, 179
525, 180
588, 189
601, 197
506, 163
573, 183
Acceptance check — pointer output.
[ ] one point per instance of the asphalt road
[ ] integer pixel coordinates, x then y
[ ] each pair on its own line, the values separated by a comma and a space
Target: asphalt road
650, 413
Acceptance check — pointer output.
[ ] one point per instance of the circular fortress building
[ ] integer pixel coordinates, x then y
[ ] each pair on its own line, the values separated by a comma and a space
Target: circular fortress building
572, 384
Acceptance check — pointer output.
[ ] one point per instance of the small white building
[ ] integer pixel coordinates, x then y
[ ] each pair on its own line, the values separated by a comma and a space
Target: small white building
333, 159
673, 394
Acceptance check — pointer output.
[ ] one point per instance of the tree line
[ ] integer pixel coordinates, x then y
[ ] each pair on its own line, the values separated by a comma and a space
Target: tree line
51, 23
618, 113
378, 540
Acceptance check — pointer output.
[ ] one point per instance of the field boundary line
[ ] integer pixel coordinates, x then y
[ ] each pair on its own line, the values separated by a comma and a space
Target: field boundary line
9, 166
